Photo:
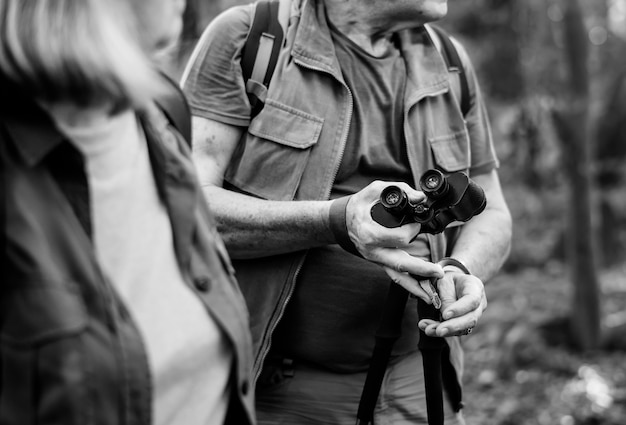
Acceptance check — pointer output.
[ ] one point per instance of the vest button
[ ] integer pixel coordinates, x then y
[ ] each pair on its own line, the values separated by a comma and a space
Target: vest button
202, 284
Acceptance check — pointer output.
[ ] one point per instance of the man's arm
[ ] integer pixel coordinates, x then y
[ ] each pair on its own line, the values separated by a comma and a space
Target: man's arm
484, 242
253, 227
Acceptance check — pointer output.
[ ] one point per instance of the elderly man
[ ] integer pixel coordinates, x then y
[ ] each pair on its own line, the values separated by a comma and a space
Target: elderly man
360, 97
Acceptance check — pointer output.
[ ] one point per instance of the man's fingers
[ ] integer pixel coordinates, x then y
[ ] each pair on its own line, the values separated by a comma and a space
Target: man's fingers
409, 283
460, 294
458, 325
453, 327
400, 261
464, 305
460, 315
447, 291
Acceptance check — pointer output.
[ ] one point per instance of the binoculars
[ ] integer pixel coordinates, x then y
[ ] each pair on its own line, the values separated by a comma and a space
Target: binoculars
449, 199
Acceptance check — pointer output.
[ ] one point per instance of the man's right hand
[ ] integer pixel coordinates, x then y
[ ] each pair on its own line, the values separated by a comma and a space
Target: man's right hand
388, 247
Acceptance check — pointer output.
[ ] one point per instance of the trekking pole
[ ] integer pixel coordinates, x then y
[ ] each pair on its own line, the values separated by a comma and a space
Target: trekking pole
389, 329
452, 198
388, 332
431, 348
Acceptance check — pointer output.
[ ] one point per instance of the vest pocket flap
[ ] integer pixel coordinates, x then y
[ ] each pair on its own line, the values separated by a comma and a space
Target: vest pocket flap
286, 125
451, 151
35, 315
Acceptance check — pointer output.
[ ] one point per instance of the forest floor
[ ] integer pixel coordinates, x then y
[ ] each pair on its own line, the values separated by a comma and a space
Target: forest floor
519, 372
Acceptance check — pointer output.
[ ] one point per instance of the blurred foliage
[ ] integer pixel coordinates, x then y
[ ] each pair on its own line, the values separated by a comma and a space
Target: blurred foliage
519, 369
517, 48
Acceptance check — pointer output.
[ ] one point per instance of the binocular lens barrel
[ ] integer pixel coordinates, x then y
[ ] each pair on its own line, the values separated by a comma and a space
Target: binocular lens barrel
449, 198
394, 199
434, 184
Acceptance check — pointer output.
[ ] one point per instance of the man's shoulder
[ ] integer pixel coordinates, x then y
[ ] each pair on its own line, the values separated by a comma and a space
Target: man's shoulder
455, 48
235, 16
213, 74
226, 34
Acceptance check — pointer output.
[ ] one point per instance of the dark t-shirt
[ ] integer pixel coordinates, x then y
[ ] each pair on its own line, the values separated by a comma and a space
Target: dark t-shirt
375, 148
339, 297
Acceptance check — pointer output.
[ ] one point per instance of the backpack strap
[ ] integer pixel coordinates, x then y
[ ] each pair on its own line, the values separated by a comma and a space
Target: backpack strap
266, 37
261, 50
453, 61
175, 107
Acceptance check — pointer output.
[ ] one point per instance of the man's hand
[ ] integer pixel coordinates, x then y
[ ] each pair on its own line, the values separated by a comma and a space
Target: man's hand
463, 302
388, 247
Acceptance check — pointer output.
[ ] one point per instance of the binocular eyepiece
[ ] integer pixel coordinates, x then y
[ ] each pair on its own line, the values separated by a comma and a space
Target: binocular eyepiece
434, 184
448, 199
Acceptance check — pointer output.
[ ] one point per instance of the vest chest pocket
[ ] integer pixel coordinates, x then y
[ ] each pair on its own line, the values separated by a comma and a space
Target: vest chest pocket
452, 151
271, 158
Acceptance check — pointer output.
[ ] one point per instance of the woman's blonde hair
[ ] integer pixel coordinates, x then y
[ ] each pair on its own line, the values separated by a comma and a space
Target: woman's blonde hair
83, 51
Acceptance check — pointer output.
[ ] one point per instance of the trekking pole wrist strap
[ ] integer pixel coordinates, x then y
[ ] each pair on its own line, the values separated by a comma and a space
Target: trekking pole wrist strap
450, 261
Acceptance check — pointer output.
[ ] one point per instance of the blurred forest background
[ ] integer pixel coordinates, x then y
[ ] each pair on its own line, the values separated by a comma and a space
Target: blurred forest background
550, 349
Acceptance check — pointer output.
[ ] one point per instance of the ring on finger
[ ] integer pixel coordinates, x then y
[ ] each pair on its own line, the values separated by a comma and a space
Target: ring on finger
467, 331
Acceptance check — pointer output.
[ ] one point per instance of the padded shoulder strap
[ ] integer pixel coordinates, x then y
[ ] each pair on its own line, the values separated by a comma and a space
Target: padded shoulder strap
262, 47
454, 63
175, 107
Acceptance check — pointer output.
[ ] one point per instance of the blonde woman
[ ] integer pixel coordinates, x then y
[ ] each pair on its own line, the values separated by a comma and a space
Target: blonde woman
118, 303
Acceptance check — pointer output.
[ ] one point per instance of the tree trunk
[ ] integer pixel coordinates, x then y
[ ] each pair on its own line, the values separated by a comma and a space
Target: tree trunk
572, 123
609, 164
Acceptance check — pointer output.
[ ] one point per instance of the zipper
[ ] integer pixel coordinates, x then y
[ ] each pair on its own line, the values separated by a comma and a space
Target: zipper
273, 324
344, 138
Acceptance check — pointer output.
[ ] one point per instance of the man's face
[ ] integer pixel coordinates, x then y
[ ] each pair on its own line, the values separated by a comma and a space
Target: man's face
160, 21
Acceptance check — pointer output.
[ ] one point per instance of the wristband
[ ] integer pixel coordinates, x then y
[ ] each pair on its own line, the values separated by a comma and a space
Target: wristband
449, 261
337, 222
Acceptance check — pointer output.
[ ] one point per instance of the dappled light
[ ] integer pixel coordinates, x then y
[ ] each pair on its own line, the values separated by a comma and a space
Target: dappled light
617, 17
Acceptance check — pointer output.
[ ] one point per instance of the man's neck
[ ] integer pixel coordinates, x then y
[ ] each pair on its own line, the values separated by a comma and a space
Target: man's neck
355, 21
372, 23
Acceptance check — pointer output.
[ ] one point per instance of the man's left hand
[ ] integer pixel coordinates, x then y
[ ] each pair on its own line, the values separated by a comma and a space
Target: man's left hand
463, 302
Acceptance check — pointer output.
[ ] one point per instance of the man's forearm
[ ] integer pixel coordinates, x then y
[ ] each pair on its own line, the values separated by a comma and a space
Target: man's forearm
254, 227
484, 243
